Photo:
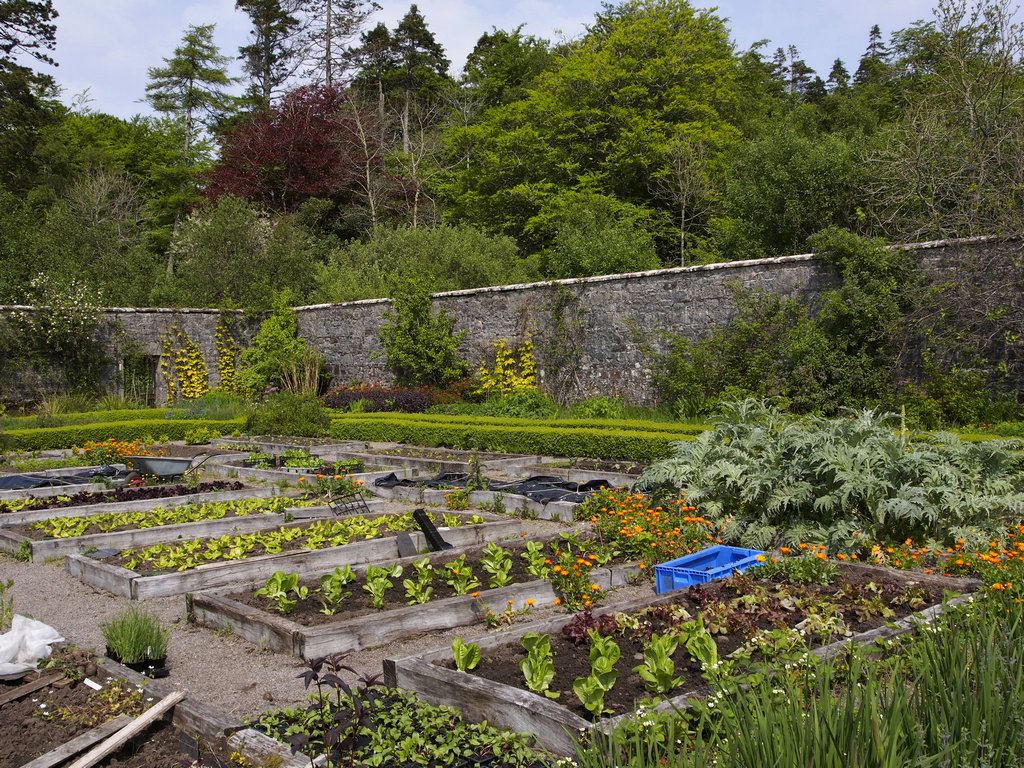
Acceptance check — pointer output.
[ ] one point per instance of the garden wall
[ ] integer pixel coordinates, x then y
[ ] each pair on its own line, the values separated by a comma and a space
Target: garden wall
597, 335
591, 335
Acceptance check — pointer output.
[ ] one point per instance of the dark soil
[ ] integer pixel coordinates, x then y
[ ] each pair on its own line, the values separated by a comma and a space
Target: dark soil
146, 569
124, 494
572, 661
307, 612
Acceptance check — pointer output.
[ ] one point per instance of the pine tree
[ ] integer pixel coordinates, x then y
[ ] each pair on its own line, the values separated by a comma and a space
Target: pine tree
274, 52
839, 77
191, 86
874, 64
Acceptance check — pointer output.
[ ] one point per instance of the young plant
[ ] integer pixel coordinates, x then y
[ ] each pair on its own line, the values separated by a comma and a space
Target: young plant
537, 563
459, 576
135, 635
591, 690
457, 499
658, 670
538, 667
378, 581
332, 589
279, 587
496, 561
6, 605
467, 655
420, 589
699, 642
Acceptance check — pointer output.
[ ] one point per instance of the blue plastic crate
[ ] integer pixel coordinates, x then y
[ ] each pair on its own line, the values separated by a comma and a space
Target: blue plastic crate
700, 567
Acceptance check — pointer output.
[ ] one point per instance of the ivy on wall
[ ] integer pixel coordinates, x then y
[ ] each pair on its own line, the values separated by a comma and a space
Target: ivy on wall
183, 366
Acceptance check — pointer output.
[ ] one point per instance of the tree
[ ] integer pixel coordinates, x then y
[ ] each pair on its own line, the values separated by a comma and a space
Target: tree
26, 27
333, 26
838, 76
602, 122
874, 64
686, 182
274, 51
952, 165
408, 66
306, 145
227, 254
191, 85
502, 65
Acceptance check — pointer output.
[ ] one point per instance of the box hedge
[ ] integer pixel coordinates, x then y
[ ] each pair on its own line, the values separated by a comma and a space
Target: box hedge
47, 438
525, 438
669, 427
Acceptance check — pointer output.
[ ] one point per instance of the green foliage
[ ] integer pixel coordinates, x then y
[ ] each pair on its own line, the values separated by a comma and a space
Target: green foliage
526, 438
658, 670
799, 570
6, 604
332, 589
378, 581
287, 413
135, 635
591, 690
278, 589
47, 438
278, 357
442, 258
599, 407
228, 254
467, 655
538, 667
591, 234
525, 403
768, 478
421, 347
420, 589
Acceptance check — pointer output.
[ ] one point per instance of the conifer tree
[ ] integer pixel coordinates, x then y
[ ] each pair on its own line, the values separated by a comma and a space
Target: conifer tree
274, 51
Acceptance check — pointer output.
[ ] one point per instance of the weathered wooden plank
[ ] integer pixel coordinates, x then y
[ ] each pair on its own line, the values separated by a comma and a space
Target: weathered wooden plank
138, 725
500, 705
141, 505
508, 707
83, 741
11, 541
142, 537
27, 688
263, 750
127, 583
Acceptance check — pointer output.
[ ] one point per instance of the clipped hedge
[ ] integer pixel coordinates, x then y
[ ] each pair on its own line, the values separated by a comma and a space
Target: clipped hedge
85, 417
526, 438
626, 425
47, 438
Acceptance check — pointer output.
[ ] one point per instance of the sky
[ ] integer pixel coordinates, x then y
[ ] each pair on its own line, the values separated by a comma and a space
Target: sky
107, 46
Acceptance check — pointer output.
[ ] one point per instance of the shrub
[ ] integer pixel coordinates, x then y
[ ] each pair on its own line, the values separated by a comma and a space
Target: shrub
599, 407
772, 479
42, 439
421, 348
378, 398
287, 413
521, 403
279, 358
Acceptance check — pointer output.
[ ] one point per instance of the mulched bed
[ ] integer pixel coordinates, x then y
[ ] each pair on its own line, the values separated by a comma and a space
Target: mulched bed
571, 661
125, 494
439, 454
604, 465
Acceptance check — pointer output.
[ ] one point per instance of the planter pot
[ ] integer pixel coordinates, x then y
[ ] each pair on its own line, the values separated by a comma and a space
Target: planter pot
153, 668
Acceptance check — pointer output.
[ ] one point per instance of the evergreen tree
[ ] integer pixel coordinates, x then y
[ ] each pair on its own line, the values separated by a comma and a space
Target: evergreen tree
332, 27
274, 51
191, 85
838, 77
26, 27
874, 64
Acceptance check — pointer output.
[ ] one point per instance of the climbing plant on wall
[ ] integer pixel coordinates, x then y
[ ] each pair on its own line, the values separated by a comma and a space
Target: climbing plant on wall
227, 355
183, 366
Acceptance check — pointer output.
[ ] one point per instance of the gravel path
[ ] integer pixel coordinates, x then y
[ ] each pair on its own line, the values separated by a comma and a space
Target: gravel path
225, 672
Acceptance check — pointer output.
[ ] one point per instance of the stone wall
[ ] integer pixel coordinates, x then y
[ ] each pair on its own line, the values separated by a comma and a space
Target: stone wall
591, 335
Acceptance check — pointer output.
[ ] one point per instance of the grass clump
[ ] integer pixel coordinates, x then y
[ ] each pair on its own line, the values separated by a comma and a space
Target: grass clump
135, 635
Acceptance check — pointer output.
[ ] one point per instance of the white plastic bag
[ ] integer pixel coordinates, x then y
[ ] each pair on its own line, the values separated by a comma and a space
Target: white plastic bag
27, 642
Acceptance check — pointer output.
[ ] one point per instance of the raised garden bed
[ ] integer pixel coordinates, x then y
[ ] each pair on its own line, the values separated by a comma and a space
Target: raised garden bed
498, 693
23, 538
307, 632
83, 723
141, 505
137, 586
122, 495
512, 503
440, 459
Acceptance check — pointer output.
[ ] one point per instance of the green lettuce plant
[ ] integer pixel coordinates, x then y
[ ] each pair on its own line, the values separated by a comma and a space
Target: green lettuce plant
591, 690
467, 655
538, 667
378, 581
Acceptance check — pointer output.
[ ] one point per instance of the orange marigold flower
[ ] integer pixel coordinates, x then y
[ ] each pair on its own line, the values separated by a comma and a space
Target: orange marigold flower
760, 558
558, 601
529, 601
